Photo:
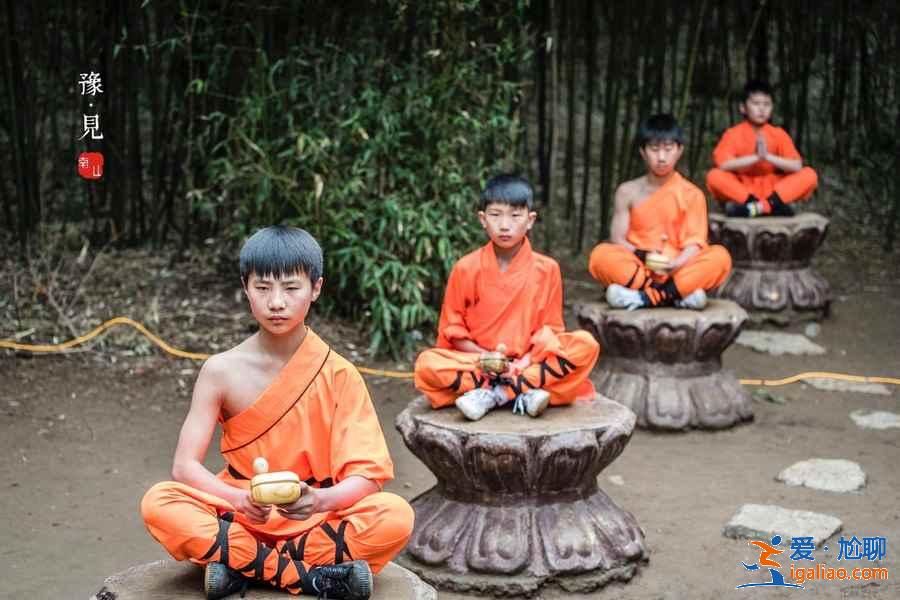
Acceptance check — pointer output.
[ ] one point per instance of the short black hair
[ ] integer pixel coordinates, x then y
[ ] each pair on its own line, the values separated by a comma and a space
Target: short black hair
661, 127
278, 251
507, 189
757, 86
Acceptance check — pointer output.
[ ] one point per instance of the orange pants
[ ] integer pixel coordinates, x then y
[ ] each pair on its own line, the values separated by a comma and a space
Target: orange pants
727, 186
612, 263
200, 527
443, 375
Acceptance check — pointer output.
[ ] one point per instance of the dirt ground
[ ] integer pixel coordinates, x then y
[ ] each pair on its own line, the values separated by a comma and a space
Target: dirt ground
83, 436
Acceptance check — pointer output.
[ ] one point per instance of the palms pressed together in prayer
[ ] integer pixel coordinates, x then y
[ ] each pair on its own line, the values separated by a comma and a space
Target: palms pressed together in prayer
761, 150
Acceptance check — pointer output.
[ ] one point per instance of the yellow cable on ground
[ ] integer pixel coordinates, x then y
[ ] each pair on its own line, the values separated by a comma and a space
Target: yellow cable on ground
156, 340
820, 375
383, 373
97, 331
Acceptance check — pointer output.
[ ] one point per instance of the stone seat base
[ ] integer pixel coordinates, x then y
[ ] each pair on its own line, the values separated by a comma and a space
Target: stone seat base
772, 276
171, 580
517, 504
665, 364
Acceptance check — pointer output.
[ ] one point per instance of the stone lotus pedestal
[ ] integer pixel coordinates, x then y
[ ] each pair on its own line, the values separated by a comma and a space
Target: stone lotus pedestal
517, 501
665, 364
771, 276
171, 580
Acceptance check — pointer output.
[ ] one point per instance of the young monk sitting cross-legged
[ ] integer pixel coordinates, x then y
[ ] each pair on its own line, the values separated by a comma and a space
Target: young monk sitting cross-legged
285, 396
504, 298
659, 255
758, 169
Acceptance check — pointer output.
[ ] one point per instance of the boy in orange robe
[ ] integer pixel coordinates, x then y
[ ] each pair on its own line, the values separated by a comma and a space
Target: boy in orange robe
758, 169
284, 395
662, 213
506, 297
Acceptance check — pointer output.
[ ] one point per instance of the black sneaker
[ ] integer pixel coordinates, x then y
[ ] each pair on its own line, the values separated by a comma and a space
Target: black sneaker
221, 580
780, 209
344, 581
747, 210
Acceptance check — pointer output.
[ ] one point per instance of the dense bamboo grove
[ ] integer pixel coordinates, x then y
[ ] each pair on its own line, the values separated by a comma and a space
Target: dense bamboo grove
368, 122
834, 66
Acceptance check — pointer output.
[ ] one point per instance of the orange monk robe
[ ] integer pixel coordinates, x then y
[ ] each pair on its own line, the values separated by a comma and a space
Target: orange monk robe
317, 420
521, 308
760, 178
667, 221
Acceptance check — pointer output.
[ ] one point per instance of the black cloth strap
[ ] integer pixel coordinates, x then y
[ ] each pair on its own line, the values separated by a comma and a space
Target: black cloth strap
565, 367
340, 546
292, 551
637, 270
221, 542
476, 381
312, 481
287, 410
256, 567
296, 548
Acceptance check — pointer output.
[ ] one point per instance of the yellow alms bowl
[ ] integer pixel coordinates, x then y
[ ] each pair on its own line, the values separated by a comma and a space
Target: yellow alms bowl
494, 362
280, 487
656, 261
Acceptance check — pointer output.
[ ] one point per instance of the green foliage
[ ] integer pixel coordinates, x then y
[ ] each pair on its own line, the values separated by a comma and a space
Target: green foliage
381, 162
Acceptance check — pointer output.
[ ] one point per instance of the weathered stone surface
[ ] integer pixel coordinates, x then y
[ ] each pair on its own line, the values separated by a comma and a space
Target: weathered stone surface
765, 520
171, 580
878, 419
828, 474
665, 364
517, 501
778, 343
771, 258
836, 385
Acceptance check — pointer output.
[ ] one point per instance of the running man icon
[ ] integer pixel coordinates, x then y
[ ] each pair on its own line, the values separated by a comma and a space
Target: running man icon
767, 550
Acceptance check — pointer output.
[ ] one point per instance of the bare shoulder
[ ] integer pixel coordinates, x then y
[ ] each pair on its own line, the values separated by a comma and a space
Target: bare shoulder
222, 367
629, 191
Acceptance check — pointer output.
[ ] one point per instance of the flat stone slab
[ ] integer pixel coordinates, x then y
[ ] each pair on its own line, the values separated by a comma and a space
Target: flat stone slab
878, 419
778, 343
765, 520
599, 414
828, 474
837, 385
172, 580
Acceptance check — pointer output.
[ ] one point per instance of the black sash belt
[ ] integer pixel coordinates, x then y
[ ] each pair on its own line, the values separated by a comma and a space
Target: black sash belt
312, 481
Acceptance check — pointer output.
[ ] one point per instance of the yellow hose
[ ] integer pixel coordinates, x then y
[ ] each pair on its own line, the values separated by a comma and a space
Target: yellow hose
42, 348
820, 375
97, 331
46, 348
